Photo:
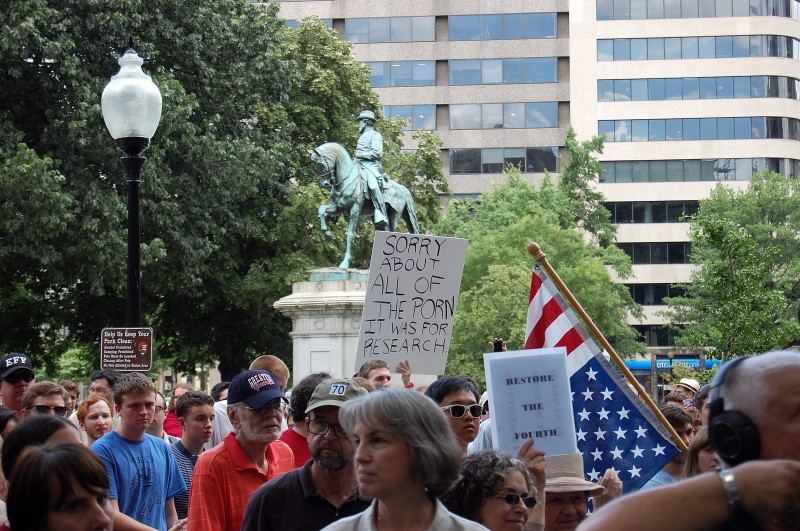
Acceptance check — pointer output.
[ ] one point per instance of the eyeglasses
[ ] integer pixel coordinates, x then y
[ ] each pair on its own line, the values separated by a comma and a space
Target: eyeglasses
274, 407
513, 499
58, 411
100, 390
320, 427
159, 409
13, 378
458, 410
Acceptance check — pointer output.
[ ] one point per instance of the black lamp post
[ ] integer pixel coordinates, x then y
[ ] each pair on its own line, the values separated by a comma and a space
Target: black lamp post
131, 106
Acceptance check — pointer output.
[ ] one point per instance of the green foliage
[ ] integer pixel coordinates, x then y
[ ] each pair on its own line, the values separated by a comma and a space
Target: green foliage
743, 298
497, 272
228, 196
581, 171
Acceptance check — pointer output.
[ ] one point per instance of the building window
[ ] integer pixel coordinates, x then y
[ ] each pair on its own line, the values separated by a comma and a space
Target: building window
389, 29
648, 171
653, 294
643, 253
659, 9
719, 47
495, 71
294, 23
506, 26
504, 115
418, 116
624, 212
402, 73
494, 160
686, 129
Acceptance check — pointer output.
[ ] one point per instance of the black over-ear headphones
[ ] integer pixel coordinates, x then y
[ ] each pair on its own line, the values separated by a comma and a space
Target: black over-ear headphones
733, 435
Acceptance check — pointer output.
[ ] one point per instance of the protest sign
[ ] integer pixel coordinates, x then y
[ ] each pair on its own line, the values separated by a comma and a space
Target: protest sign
529, 397
411, 300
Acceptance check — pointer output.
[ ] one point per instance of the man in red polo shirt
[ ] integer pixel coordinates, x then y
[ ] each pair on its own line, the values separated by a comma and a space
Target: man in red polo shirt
227, 475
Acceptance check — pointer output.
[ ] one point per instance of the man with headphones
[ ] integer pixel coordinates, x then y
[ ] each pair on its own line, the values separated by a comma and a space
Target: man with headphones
755, 429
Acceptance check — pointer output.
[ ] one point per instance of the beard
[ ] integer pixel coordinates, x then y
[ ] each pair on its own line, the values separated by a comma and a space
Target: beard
329, 462
260, 436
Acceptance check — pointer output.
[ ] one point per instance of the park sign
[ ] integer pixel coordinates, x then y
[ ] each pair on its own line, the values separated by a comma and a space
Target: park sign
411, 299
530, 398
126, 349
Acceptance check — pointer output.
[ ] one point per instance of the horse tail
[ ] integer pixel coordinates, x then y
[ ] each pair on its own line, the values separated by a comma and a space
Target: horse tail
411, 215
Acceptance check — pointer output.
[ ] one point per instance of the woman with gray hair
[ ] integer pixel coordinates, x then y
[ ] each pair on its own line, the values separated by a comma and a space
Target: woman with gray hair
495, 489
406, 457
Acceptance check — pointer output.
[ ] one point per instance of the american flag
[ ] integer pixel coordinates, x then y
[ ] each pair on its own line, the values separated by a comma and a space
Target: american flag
614, 429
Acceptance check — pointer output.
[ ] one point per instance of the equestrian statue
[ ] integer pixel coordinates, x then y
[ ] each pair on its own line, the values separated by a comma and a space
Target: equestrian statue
359, 187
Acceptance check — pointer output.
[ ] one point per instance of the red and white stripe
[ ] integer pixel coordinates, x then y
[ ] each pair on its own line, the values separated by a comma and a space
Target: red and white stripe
552, 323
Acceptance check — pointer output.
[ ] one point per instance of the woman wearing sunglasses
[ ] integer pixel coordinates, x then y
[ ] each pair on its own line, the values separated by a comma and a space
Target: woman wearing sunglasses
458, 397
406, 457
495, 489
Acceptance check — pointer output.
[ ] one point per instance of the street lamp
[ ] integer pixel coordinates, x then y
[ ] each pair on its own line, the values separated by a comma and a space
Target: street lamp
131, 106
671, 356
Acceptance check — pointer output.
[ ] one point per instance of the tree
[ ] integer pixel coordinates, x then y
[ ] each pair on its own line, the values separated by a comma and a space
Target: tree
744, 295
497, 271
244, 99
581, 171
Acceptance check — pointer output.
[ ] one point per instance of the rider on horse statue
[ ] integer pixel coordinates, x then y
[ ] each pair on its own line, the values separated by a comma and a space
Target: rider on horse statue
369, 151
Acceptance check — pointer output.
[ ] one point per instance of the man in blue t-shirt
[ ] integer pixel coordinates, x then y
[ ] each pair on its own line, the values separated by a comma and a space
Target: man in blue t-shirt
143, 475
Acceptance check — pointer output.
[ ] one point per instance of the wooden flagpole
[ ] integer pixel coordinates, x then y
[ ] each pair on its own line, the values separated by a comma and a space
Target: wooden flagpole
541, 258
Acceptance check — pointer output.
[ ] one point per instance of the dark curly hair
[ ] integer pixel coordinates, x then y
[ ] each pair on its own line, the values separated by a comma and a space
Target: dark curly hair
483, 474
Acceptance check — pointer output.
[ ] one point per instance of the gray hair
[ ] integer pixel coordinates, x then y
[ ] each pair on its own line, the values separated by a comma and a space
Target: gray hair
483, 474
416, 420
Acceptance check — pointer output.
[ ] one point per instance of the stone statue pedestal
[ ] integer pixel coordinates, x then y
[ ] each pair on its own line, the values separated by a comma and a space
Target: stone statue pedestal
326, 317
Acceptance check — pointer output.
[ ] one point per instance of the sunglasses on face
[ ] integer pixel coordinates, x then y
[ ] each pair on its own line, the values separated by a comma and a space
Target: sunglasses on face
320, 427
457, 410
15, 377
513, 499
58, 411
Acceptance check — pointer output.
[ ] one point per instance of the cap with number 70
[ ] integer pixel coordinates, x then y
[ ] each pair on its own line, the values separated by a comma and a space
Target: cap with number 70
335, 392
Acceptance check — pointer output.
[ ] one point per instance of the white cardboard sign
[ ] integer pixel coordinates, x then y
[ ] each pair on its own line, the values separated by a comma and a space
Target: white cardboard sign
414, 280
530, 398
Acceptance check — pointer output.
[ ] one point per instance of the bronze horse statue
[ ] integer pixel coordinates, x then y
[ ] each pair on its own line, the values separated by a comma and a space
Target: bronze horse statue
337, 171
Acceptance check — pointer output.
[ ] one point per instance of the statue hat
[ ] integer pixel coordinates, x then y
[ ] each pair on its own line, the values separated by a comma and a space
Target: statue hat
366, 115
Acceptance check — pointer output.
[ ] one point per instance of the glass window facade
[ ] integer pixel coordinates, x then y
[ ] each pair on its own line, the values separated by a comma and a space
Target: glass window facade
658, 9
692, 88
496, 71
657, 252
507, 26
685, 129
719, 47
651, 211
494, 160
417, 116
402, 73
688, 170
504, 115
389, 29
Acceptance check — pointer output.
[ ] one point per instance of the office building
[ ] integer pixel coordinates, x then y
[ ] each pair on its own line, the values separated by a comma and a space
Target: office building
687, 92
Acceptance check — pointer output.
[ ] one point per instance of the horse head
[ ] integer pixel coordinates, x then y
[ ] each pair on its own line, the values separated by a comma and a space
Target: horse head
325, 167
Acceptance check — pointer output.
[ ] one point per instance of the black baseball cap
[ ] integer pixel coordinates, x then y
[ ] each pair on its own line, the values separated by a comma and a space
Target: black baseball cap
14, 362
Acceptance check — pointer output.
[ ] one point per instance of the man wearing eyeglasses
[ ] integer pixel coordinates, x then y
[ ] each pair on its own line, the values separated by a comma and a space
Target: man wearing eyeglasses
325, 488
458, 397
103, 385
44, 398
227, 475
16, 375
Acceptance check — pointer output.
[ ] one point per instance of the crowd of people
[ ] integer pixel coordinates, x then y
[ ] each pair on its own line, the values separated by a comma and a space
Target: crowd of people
360, 454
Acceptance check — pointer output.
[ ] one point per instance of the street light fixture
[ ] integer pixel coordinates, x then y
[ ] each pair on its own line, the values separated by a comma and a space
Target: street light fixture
131, 106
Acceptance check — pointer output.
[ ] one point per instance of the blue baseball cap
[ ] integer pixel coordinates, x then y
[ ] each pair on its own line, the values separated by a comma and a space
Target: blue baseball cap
254, 388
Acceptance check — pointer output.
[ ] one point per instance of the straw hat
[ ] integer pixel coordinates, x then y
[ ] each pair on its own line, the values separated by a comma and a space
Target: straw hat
689, 383
565, 474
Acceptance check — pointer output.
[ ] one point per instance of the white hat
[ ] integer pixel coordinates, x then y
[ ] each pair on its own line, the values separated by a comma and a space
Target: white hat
690, 383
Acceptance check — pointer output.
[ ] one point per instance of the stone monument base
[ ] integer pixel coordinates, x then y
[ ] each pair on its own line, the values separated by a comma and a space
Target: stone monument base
326, 317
